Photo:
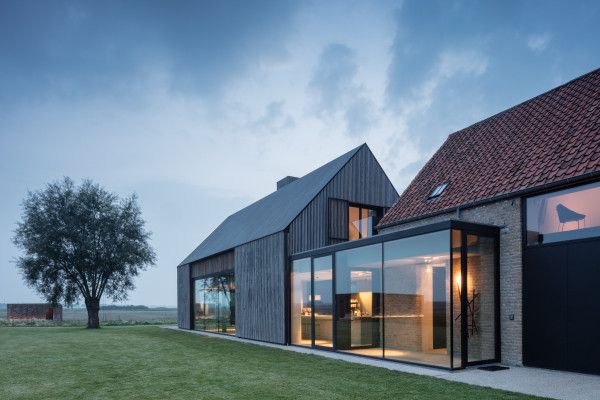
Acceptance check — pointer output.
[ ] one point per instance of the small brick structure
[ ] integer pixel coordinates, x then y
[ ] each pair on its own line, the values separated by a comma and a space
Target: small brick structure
34, 311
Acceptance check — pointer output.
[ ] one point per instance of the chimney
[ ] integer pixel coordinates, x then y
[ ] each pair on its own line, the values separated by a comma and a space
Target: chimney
282, 182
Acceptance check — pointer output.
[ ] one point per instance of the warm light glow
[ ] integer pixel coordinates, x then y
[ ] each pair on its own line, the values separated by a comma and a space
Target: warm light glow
458, 280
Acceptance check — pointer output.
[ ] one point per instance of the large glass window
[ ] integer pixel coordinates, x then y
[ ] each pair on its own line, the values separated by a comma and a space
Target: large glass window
567, 214
416, 276
214, 304
429, 299
360, 222
301, 308
358, 300
323, 301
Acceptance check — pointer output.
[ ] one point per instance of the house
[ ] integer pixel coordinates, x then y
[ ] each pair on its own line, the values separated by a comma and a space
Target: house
533, 171
236, 281
29, 311
491, 254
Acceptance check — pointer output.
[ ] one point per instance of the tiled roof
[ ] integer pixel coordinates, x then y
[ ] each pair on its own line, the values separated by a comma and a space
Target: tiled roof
550, 138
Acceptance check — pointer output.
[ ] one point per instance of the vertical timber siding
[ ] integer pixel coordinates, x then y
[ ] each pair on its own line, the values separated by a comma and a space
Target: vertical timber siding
183, 297
219, 263
260, 289
361, 180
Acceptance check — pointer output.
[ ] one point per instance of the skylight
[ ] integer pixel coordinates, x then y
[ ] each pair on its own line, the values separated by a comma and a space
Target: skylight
439, 189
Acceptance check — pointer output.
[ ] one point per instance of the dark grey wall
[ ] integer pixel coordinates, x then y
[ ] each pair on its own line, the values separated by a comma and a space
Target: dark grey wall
361, 181
218, 263
183, 297
260, 289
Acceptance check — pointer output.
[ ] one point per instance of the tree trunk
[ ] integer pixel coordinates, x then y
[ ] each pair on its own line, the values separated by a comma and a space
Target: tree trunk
93, 307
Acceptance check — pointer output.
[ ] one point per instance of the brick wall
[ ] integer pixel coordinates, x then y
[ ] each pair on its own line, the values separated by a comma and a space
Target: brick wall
507, 215
34, 311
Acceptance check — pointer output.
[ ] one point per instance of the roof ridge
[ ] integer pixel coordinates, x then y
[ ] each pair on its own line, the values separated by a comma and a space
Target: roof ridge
319, 177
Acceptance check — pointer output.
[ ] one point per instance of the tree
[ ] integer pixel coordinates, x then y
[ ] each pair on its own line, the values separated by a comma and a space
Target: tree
82, 242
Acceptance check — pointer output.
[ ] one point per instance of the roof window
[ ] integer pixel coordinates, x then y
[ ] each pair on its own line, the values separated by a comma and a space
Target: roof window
439, 189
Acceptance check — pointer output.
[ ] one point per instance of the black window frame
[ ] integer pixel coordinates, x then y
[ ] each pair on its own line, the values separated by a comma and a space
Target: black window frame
466, 228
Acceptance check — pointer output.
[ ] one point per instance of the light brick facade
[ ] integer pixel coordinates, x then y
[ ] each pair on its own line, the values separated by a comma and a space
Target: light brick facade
505, 214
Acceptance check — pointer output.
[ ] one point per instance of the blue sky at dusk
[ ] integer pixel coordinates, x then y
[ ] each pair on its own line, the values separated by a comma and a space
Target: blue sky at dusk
200, 107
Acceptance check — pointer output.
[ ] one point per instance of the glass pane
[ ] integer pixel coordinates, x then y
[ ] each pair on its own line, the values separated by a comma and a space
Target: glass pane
214, 304
366, 222
353, 223
416, 275
456, 299
358, 300
481, 301
564, 215
300, 302
200, 307
323, 301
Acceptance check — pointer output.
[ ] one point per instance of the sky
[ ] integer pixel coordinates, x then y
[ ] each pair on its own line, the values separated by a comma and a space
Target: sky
200, 107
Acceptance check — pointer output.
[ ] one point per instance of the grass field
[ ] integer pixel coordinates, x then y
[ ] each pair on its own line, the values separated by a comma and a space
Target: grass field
147, 362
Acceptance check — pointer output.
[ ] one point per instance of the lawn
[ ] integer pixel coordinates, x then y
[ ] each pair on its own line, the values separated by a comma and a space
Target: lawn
153, 363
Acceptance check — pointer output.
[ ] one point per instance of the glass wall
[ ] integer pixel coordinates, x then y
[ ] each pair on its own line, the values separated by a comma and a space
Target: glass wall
416, 275
358, 300
301, 307
323, 301
214, 304
567, 214
403, 299
481, 302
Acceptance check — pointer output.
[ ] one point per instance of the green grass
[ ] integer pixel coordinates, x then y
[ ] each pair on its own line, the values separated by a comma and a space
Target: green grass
152, 363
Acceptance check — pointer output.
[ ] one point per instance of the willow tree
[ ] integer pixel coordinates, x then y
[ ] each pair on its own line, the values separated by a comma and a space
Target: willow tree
82, 242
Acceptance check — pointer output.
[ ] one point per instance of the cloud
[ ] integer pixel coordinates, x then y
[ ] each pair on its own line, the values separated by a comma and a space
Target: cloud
336, 90
80, 50
274, 119
538, 42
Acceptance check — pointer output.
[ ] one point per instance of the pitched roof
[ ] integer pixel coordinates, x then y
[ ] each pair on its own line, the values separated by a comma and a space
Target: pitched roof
552, 137
271, 214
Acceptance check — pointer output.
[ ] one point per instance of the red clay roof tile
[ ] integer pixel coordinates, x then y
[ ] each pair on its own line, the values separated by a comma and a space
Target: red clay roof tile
552, 137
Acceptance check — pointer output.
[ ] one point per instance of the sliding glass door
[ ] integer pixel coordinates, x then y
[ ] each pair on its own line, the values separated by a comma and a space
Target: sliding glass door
416, 273
358, 300
430, 298
323, 301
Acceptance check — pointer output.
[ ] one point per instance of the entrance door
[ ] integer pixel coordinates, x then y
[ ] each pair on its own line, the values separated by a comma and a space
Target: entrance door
561, 306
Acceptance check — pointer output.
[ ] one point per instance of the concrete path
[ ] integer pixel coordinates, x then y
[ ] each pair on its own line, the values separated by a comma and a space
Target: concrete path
534, 381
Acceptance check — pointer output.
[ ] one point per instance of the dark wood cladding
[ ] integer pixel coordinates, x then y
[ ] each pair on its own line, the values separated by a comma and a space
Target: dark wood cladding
219, 263
260, 289
184, 300
338, 220
361, 181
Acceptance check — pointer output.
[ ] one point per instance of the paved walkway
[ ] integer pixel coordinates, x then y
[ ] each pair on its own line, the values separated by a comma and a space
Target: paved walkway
534, 381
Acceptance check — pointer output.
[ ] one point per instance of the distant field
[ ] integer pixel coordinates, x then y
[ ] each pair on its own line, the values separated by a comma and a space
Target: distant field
80, 314
151, 315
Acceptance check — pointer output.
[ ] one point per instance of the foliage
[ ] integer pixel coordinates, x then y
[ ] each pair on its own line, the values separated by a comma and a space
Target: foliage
81, 242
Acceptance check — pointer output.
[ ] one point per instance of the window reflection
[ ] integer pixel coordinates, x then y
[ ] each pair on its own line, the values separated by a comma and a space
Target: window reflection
568, 214
301, 310
361, 221
358, 300
214, 304
323, 301
416, 297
